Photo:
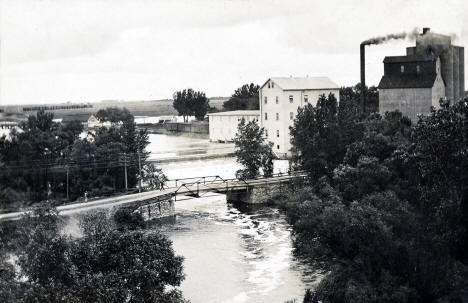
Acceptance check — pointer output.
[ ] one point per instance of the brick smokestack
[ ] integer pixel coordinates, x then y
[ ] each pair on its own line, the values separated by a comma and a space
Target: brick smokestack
363, 76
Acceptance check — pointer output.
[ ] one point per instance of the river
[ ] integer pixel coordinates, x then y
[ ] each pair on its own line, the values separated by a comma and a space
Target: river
232, 253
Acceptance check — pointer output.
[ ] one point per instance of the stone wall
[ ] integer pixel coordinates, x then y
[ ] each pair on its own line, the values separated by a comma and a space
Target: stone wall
157, 210
259, 194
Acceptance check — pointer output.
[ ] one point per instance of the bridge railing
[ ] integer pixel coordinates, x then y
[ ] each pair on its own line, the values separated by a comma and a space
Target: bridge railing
204, 182
219, 179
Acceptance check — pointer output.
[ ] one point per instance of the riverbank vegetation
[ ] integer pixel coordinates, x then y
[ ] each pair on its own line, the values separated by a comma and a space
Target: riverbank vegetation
46, 160
46, 258
386, 211
252, 151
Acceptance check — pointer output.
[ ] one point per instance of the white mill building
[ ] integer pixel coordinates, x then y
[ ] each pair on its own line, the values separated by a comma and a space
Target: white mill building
280, 99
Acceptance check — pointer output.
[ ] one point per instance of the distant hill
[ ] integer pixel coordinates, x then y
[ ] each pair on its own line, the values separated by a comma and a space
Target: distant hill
137, 108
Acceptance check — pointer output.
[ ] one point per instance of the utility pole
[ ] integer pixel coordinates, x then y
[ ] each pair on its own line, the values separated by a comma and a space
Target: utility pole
67, 183
139, 167
125, 166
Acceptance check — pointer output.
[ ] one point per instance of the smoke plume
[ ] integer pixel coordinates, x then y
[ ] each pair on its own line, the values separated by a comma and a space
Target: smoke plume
400, 36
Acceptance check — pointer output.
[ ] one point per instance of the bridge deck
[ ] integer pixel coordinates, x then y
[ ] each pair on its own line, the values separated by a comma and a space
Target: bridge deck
193, 187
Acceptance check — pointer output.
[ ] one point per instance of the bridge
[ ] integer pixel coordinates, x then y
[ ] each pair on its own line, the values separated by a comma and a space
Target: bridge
156, 200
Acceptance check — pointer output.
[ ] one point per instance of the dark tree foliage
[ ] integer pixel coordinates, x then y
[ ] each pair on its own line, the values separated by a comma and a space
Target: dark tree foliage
244, 98
353, 94
252, 151
323, 131
191, 103
103, 264
113, 115
37, 159
387, 218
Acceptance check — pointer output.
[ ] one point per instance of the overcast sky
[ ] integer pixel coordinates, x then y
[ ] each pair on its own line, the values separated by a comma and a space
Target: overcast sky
80, 51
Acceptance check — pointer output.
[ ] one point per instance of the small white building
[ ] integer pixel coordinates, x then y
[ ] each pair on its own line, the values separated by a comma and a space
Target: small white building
281, 97
223, 125
93, 122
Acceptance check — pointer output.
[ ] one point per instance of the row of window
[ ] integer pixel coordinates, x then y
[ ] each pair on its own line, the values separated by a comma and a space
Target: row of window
291, 116
277, 133
291, 99
418, 68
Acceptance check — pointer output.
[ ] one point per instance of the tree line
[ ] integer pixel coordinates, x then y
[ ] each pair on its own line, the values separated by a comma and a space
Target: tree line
385, 214
45, 160
107, 258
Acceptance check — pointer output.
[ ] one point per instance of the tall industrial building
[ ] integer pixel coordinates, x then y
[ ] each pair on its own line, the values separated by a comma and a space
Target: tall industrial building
280, 99
433, 69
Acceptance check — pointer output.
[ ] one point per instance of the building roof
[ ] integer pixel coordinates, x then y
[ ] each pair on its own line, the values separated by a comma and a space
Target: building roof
423, 80
303, 83
409, 58
79, 118
237, 113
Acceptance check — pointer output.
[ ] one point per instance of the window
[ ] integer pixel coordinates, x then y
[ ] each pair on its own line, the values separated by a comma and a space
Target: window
266, 116
266, 133
266, 99
277, 100
268, 84
277, 116
291, 99
277, 146
418, 68
306, 98
277, 133
291, 115
272, 85
402, 68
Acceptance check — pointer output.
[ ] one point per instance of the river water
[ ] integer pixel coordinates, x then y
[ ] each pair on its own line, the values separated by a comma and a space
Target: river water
232, 253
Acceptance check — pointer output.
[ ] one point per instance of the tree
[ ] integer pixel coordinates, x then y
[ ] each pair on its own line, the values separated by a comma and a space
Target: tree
46, 156
108, 263
244, 98
320, 135
389, 222
189, 102
200, 105
252, 151
153, 178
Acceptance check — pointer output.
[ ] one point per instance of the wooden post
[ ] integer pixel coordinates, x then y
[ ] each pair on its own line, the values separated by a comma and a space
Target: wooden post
67, 184
125, 166
139, 167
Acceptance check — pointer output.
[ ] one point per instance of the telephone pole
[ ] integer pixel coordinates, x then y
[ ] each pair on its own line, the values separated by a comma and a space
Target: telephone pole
125, 165
139, 167
67, 183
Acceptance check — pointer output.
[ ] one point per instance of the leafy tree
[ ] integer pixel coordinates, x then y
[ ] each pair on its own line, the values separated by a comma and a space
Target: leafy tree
153, 177
42, 158
252, 150
389, 221
353, 95
189, 102
244, 98
106, 264
200, 105
320, 135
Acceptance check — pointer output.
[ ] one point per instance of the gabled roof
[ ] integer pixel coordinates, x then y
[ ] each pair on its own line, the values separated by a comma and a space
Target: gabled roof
423, 80
410, 58
237, 113
303, 83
